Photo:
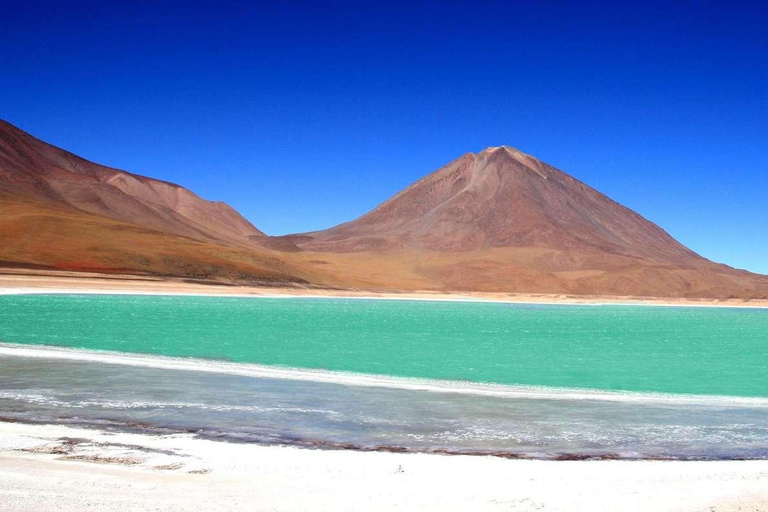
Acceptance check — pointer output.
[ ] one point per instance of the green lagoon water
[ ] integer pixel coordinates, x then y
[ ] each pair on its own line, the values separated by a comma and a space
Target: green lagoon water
712, 351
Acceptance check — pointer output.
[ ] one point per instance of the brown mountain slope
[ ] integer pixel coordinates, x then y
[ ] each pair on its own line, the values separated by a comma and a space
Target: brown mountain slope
500, 220
39, 171
60, 211
43, 235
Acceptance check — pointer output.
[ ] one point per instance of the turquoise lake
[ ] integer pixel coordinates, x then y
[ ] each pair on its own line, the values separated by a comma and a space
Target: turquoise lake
710, 351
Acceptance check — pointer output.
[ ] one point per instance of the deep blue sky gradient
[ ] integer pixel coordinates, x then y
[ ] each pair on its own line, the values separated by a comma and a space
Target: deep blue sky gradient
305, 115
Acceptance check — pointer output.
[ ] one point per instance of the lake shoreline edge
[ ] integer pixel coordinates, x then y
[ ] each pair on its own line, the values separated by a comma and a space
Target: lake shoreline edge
12, 283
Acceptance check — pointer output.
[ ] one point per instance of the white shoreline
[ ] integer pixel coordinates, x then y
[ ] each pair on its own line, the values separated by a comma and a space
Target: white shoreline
384, 296
51, 467
371, 380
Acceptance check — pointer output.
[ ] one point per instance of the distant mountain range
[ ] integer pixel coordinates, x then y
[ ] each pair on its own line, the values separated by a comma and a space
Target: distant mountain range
498, 220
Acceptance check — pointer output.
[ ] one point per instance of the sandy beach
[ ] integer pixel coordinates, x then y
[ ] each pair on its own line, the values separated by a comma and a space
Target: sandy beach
45, 467
40, 281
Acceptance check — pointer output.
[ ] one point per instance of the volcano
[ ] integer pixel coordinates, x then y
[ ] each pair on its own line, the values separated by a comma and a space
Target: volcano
502, 220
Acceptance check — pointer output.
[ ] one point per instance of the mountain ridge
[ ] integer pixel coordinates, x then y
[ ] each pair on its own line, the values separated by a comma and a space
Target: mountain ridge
471, 173
499, 220
45, 172
61, 211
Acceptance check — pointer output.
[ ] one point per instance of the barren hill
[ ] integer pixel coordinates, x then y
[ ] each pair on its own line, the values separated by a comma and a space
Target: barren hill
503, 220
34, 169
60, 211
498, 220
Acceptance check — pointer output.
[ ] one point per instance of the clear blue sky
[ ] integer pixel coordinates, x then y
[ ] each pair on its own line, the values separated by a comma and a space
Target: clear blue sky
303, 116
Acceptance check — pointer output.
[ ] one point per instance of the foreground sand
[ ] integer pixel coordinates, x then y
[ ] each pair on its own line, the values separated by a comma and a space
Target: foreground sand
26, 281
45, 467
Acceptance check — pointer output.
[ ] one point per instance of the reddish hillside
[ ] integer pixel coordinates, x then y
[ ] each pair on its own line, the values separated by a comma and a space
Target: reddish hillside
498, 220
60, 211
34, 169
502, 220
